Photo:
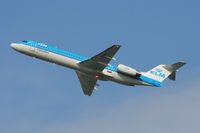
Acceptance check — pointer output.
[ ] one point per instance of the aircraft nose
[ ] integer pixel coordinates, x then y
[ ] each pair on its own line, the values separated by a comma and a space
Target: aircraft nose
13, 45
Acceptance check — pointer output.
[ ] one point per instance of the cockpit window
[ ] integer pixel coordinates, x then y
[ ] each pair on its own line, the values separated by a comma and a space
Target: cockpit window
24, 41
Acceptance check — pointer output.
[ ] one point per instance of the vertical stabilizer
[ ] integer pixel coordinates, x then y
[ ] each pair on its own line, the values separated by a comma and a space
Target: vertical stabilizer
158, 74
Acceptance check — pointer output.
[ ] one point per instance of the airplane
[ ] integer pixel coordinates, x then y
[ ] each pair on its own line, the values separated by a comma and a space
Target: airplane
90, 70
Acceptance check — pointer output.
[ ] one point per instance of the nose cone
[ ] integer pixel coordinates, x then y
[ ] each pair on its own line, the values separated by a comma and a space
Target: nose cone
16, 46
13, 45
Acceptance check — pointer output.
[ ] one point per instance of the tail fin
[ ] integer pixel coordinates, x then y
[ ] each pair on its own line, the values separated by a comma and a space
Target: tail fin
158, 74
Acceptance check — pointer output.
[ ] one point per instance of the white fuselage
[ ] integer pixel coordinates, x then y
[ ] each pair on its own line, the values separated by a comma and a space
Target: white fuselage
74, 64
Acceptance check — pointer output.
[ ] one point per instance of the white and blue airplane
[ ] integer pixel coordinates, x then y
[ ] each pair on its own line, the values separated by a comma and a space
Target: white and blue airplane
89, 70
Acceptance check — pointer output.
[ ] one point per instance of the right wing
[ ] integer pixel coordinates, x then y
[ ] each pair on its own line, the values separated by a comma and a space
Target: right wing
87, 82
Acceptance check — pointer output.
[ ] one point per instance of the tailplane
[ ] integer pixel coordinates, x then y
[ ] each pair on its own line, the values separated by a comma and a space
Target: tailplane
158, 74
173, 69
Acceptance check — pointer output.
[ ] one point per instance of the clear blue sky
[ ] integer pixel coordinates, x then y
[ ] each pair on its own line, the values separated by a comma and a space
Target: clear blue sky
38, 97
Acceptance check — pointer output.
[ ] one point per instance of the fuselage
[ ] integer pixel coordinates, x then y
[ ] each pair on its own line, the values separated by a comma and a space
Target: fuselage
71, 60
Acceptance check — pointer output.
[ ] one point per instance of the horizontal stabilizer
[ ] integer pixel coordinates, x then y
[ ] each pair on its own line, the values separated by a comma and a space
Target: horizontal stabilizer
175, 66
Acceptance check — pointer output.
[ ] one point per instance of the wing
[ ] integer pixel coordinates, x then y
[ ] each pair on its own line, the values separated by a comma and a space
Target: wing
87, 82
100, 61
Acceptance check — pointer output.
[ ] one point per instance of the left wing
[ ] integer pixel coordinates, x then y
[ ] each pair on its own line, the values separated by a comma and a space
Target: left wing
87, 82
100, 61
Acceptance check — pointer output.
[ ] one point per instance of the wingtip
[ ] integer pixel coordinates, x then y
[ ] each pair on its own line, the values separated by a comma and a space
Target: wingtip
117, 45
183, 62
87, 95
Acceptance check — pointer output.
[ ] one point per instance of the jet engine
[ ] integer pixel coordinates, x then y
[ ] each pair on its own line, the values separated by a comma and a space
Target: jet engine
125, 70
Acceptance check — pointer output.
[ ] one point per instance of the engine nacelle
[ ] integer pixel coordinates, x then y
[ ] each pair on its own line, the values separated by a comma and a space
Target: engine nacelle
127, 71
